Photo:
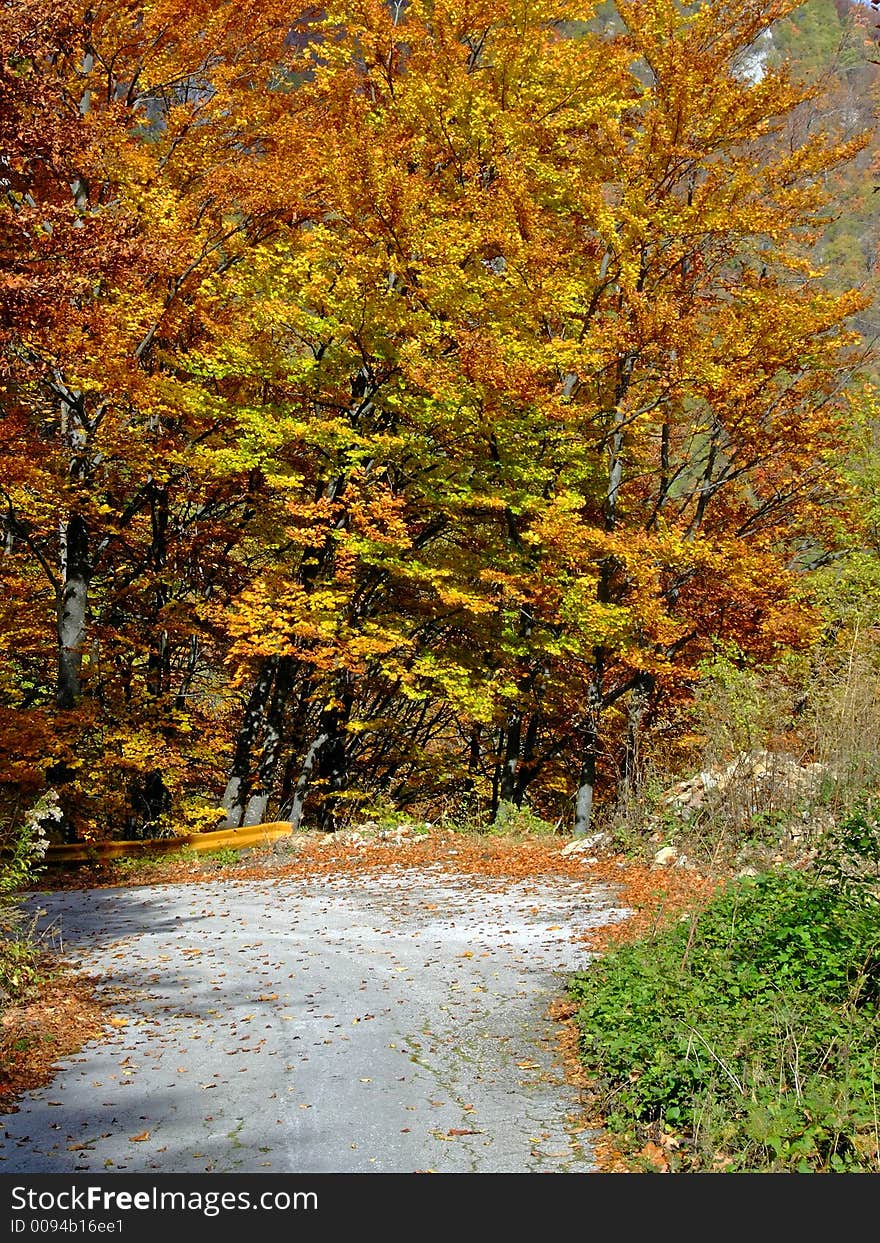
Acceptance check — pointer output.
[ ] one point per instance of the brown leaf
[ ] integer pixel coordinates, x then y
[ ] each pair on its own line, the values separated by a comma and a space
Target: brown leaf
654, 1153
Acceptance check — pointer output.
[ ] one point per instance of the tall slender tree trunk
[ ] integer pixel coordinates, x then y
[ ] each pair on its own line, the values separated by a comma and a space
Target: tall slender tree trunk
333, 772
273, 737
475, 751
583, 804
294, 813
159, 658
235, 797
333, 760
510, 763
529, 764
589, 726
73, 603
637, 705
510, 788
192, 663
519, 765
496, 776
588, 731
325, 762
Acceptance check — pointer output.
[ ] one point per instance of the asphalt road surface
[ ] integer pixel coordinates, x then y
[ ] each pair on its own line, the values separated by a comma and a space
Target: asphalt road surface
395, 1022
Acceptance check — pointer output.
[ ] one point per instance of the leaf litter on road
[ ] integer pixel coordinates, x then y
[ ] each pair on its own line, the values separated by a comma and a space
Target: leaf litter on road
493, 863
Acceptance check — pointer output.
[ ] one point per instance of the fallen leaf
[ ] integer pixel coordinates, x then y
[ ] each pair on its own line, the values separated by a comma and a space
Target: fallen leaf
654, 1153
139, 1139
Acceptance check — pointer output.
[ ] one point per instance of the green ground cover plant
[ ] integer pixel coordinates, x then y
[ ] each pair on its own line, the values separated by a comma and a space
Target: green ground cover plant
747, 1033
24, 847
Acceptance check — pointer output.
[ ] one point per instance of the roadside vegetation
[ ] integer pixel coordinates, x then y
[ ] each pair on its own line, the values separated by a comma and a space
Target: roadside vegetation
745, 1036
21, 861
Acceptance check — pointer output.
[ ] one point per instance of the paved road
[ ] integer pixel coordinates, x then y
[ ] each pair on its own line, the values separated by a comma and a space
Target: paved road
391, 1023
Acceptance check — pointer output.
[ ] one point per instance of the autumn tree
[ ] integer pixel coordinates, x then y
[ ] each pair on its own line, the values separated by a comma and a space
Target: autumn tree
464, 376
130, 132
566, 280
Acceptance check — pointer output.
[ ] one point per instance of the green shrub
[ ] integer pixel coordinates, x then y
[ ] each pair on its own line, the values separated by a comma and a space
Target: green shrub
24, 847
224, 857
514, 821
848, 857
752, 1032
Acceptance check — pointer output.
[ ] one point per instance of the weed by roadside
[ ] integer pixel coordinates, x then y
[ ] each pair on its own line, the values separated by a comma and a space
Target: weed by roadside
743, 1037
24, 846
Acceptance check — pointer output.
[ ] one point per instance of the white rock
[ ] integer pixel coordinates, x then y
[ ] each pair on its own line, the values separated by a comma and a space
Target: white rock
584, 843
666, 857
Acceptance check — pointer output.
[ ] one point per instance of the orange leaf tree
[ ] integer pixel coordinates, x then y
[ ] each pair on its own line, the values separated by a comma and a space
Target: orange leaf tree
129, 134
550, 389
427, 388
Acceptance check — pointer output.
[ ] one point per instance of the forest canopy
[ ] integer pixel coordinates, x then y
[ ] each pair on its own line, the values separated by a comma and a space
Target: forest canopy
401, 401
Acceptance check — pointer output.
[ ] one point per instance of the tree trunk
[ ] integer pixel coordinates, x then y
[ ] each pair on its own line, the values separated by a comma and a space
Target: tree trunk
639, 698
192, 663
474, 758
325, 762
583, 806
588, 730
273, 736
508, 785
235, 797
159, 658
496, 777
529, 764
294, 812
72, 608
333, 760
333, 771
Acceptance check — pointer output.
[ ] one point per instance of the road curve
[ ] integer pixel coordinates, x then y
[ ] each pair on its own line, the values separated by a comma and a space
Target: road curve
392, 1023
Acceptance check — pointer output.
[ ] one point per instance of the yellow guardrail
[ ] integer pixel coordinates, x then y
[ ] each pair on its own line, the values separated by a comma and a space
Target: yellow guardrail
217, 839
